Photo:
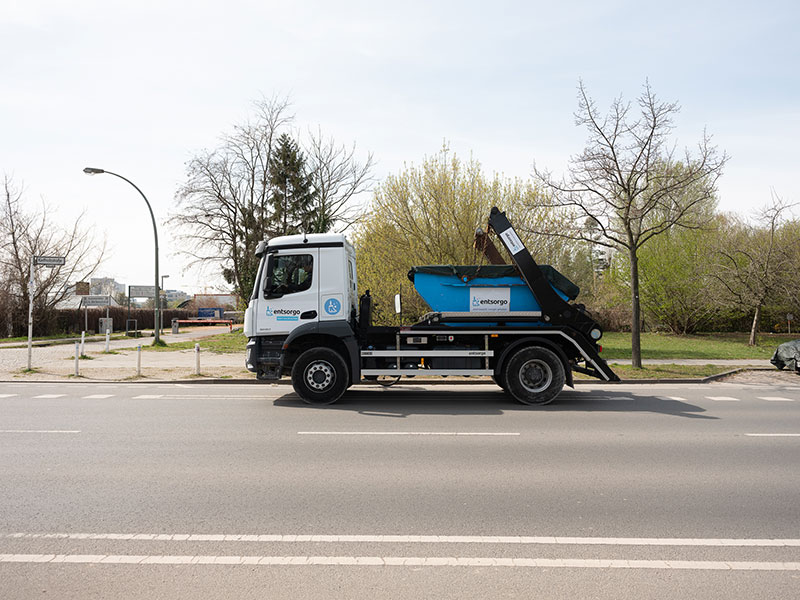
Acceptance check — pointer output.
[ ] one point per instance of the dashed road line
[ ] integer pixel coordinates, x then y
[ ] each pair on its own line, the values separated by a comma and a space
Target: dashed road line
418, 433
40, 431
775, 399
7, 395
722, 398
400, 561
98, 396
772, 434
43, 396
148, 396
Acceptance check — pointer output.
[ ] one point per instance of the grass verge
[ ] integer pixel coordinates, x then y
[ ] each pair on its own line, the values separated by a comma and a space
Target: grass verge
707, 346
221, 343
665, 371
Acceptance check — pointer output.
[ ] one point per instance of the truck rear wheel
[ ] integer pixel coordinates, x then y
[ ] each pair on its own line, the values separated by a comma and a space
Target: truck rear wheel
320, 376
534, 375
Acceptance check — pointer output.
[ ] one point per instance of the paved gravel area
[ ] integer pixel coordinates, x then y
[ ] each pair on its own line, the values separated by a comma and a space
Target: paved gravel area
56, 362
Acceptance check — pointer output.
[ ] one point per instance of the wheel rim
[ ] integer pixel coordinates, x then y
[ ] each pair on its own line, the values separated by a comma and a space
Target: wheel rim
320, 375
535, 376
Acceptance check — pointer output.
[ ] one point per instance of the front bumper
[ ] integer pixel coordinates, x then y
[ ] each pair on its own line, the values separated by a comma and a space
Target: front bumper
264, 357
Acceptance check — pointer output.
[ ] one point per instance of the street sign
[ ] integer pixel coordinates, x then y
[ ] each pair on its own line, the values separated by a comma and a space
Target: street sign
82, 288
790, 317
96, 300
141, 291
49, 261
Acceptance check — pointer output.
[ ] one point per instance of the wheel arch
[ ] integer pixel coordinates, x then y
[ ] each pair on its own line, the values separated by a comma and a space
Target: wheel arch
294, 346
542, 342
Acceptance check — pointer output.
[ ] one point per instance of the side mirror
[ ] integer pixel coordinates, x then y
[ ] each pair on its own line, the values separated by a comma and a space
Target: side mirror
398, 306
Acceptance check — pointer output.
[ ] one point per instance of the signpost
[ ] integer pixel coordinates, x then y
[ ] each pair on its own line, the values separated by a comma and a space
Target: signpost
789, 319
49, 261
138, 291
96, 300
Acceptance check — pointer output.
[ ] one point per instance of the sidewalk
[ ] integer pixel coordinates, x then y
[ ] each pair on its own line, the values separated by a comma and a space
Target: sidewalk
54, 363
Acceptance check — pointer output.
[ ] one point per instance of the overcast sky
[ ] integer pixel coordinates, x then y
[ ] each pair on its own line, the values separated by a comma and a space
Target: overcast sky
138, 87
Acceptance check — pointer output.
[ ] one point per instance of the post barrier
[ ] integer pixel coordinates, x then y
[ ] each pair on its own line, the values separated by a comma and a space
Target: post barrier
77, 359
139, 360
197, 359
83, 342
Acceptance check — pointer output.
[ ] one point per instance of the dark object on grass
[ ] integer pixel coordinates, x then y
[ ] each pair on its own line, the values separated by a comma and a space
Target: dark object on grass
787, 355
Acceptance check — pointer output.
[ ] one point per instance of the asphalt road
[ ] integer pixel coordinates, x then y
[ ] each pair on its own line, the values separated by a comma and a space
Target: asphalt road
241, 491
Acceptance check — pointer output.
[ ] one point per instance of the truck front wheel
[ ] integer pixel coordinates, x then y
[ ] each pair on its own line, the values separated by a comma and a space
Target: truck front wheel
320, 376
534, 375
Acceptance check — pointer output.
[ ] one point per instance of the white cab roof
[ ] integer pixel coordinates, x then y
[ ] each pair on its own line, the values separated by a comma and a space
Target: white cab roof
311, 238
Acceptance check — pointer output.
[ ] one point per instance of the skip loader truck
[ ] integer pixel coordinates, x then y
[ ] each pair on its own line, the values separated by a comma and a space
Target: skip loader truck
516, 323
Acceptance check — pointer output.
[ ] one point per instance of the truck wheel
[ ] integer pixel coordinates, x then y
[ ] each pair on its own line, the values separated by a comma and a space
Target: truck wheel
320, 376
534, 375
500, 380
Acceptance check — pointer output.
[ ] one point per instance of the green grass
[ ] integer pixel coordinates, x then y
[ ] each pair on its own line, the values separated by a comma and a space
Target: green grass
708, 346
664, 371
220, 343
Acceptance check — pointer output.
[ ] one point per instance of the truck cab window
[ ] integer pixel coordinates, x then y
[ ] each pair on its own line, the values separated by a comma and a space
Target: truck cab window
289, 274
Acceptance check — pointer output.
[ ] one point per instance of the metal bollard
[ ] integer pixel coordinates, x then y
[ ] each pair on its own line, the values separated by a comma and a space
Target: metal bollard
197, 359
83, 341
108, 336
139, 360
77, 359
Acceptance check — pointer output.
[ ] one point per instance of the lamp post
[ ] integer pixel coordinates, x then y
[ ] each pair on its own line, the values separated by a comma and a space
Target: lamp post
157, 299
164, 307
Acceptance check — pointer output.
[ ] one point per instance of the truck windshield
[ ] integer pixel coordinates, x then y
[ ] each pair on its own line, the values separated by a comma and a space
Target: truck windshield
289, 274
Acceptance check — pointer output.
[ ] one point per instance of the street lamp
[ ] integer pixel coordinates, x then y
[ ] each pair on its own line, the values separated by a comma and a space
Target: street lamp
164, 307
157, 299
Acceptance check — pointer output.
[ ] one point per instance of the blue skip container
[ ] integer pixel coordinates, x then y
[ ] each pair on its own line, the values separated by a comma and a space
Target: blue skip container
483, 289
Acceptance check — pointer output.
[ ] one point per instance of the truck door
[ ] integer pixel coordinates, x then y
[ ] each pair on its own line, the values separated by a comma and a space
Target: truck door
290, 291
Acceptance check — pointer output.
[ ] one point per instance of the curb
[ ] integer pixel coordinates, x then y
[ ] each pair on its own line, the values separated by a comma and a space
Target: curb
286, 381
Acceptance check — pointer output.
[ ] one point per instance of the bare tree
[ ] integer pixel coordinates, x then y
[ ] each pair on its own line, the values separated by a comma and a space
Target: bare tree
25, 234
337, 177
756, 263
225, 206
632, 184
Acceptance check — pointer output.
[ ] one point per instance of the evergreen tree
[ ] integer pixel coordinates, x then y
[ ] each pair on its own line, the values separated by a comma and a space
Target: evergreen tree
293, 194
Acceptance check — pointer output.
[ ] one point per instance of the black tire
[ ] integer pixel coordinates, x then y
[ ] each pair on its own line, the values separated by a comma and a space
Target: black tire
320, 376
500, 381
534, 375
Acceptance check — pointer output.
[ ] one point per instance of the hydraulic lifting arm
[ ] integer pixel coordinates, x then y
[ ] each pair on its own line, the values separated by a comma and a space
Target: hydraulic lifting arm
555, 310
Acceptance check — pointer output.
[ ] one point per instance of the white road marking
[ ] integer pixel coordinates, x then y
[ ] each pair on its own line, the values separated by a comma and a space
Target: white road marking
148, 396
405, 561
413, 539
619, 398
98, 396
775, 399
722, 398
772, 434
40, 431
7, 395
678, 398
50, 396
442, 433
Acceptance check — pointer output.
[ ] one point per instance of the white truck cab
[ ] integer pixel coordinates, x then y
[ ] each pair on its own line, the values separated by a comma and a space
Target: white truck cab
303, 281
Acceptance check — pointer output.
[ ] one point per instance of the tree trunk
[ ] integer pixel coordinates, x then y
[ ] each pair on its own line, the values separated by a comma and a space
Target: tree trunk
754, 327
636, 344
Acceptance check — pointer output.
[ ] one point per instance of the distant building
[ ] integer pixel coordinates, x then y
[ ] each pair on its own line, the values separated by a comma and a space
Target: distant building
175, 296
105, 286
